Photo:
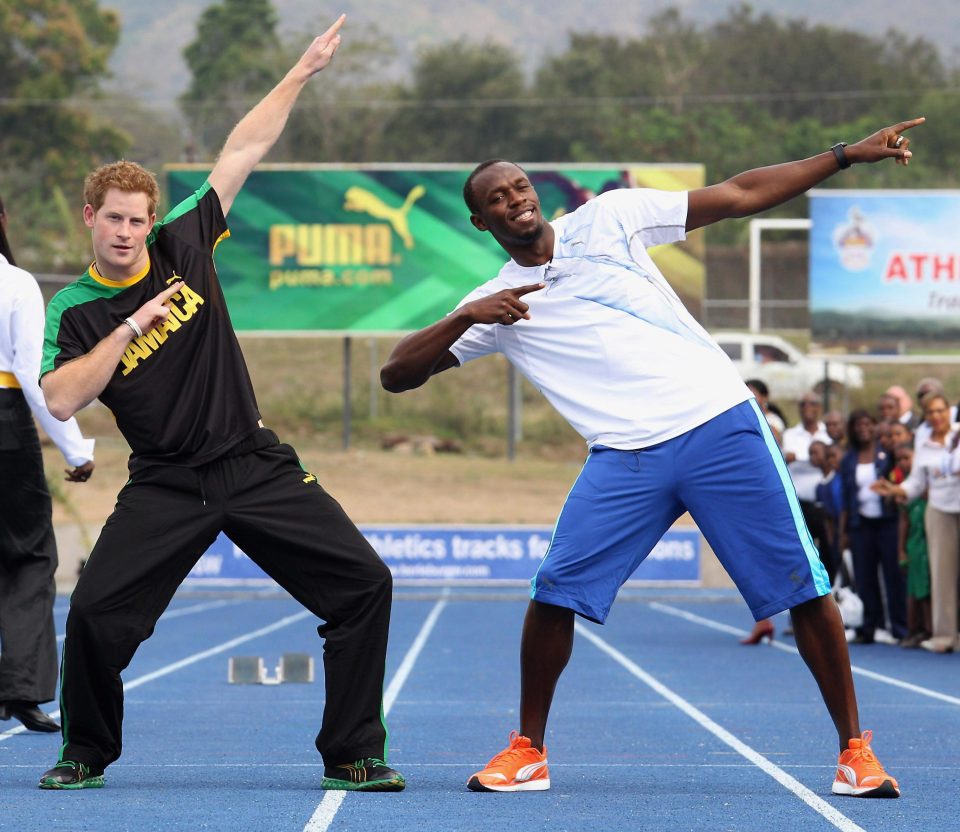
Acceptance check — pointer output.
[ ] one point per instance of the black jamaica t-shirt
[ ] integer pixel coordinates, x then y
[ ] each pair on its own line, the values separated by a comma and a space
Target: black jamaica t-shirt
181, 393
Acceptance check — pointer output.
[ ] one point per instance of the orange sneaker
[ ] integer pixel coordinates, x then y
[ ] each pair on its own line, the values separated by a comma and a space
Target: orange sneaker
859, 773
518, 768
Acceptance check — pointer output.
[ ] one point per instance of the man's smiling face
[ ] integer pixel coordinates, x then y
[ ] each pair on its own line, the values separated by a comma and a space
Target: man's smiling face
507, 205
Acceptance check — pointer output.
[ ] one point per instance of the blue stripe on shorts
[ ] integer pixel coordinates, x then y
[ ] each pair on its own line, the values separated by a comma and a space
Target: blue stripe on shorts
809, 547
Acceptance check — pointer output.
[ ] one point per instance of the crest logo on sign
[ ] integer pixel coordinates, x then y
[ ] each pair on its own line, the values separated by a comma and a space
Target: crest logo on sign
855, 242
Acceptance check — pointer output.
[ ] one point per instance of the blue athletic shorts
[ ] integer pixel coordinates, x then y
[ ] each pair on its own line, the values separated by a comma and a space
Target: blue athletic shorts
729, 474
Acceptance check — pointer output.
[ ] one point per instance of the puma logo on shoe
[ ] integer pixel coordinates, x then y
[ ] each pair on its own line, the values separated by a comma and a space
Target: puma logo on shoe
527, 772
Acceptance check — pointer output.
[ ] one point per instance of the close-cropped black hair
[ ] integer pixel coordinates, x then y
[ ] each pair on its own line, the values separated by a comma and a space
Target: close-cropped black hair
759, 385
468, 195
4, 242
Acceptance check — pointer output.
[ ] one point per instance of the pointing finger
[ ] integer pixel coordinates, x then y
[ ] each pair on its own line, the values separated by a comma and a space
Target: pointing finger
334, 29
169, 292
906, 125
532, 287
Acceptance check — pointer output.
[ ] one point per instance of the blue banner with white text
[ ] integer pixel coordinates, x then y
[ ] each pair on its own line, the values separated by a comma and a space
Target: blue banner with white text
461, 554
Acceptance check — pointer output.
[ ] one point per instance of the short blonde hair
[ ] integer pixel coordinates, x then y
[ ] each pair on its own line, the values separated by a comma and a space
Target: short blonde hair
124, 176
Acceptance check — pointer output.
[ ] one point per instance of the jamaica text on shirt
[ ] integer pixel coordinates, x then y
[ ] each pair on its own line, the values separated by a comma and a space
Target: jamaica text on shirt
183, 306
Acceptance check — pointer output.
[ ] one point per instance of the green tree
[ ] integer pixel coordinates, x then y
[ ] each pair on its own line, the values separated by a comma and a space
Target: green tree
794, 69
235, 59
465, 103
594, 98
938, 152
665, 87
53, 53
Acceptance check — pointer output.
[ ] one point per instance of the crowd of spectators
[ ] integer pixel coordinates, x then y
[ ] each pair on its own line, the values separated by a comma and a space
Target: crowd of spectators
880, 493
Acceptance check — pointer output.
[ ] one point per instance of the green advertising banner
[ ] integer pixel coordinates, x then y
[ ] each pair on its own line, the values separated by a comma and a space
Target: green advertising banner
335, 249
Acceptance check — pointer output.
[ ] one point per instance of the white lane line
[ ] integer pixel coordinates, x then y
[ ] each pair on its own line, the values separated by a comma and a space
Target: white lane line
195, 608
786, 648
191, 610
327, 810
189, 660
461, 765
472, 762
818, 804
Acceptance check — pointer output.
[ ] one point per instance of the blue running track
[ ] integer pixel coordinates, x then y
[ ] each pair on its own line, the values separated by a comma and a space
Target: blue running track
662, 721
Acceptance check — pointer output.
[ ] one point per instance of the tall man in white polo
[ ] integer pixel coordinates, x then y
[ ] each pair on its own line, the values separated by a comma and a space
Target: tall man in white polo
582, 310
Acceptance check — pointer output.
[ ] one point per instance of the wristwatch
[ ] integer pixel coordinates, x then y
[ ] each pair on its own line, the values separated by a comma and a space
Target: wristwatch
838, 151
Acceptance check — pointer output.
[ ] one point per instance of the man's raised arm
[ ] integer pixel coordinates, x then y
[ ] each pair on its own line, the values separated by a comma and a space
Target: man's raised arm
757, 190
259, 129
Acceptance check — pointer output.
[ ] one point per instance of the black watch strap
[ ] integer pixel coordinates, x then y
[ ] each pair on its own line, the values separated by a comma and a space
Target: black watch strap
838, 151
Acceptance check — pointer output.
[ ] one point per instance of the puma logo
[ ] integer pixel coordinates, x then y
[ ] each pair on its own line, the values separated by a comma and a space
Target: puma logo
365, 202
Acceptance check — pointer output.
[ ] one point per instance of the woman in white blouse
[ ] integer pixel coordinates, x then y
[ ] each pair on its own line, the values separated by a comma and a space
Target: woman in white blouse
935, 473
869, 525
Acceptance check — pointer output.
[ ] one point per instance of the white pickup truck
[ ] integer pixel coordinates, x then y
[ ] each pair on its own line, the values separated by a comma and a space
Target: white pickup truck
787, 371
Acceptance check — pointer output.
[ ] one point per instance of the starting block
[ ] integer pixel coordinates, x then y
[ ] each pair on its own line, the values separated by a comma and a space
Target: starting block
250, 670
295, 667
246, 670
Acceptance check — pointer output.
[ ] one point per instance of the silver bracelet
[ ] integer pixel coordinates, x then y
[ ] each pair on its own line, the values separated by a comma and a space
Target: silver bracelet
130, 322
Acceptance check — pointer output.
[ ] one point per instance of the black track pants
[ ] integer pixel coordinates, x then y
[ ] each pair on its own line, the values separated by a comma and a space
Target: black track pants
278, 514
28, 560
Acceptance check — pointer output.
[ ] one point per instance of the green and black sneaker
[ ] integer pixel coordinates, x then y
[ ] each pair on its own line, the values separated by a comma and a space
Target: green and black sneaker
367, 775
71, 775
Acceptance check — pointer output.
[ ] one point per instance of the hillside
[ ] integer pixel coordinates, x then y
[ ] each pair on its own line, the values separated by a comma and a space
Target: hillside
149, 60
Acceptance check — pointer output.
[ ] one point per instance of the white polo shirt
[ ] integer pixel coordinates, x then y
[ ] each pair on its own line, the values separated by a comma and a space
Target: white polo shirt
936, 472
608, 342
